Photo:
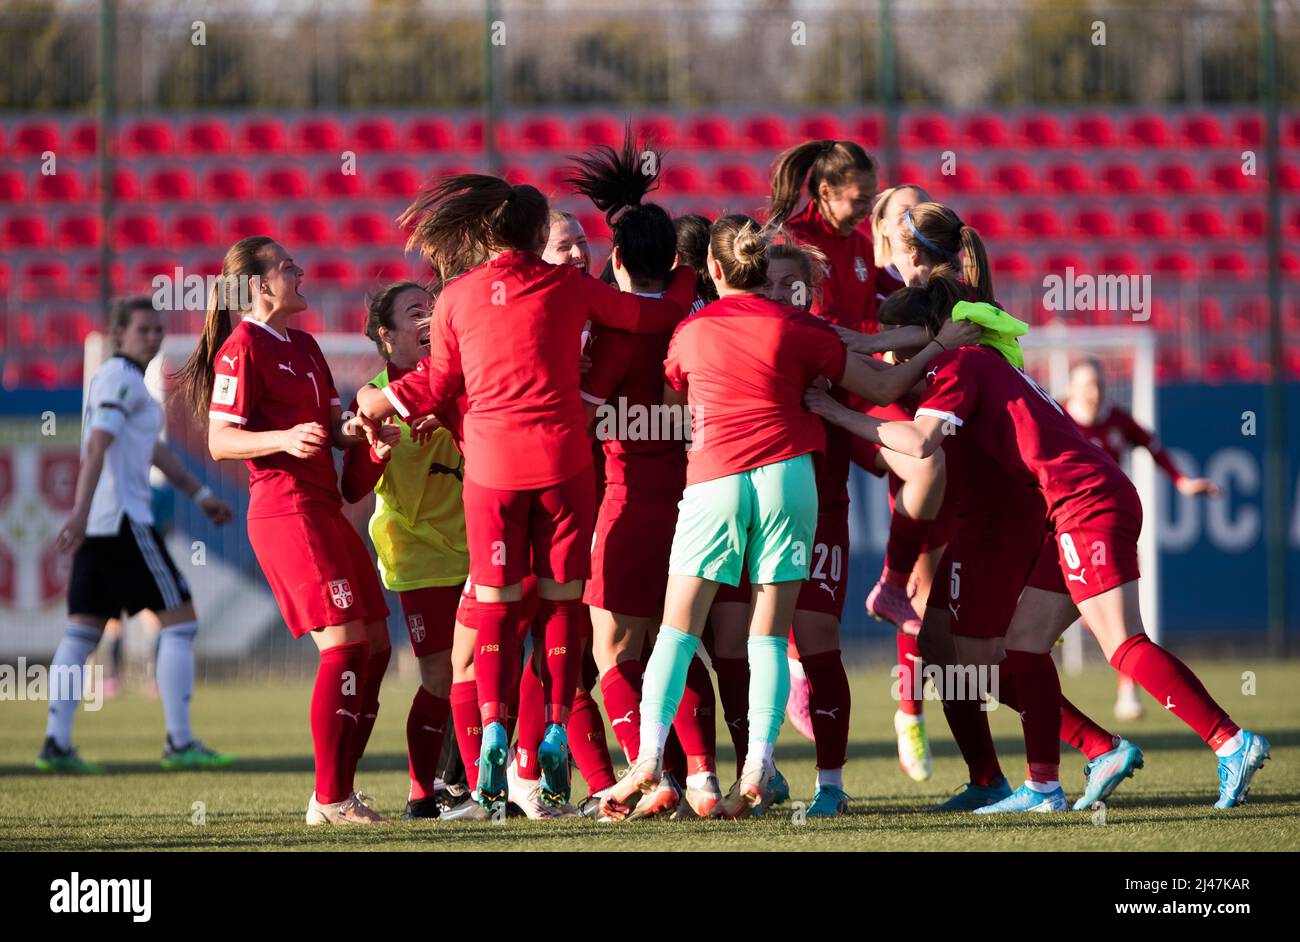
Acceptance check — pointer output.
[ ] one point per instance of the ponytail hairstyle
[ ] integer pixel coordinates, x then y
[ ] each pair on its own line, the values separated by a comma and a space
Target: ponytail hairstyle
457, 221
826, 161
881, 249
242, 264
120, 314
693, 250
739, 245
812, 261
379, 310
616, 181
953, 248
929, 305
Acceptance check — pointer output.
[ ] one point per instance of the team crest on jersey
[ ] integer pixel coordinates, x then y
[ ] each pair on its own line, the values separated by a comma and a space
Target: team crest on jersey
860, 268
223, 393
341, 593
415, 623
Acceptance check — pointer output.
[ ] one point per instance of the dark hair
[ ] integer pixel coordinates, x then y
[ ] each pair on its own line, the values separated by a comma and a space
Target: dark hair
457, 220
693, 250
817, 162
929, 305
739, 245
120, 313
194, 380
616, 181
379, 309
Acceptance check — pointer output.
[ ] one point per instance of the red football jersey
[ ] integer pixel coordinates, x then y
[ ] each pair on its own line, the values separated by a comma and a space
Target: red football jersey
745, 362
1114, 431
626, 383
506, 333
267, 381
1013, 422
847, 295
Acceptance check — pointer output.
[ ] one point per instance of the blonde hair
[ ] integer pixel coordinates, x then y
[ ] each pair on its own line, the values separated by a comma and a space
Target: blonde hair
880, 247
812, 261
740, 245
953, 248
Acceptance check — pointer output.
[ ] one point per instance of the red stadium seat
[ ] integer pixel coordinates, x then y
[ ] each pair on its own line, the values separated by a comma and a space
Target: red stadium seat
1228, 178
1252, 223
1203, 130
1038, 224
593, 223
25, 232
740, 180
656, 130
1150, 130
309, 229
205, 137
370, 229
170, 186
1288, 178
1210, 315
332, 271
228, 183
988, 221
195, 231
908, 172
1229, 265
320, 136
1289, 132
45, 279
83, 139
31, 372
473, 131
1122, 179
987, 130
1151, 222
378, 134
1120, 263
598, 129
1095, 223
1233, 363
426, 135
520, 174
389, 270
1179, 265
766, 132
244, 225
11, 186
1204, 222
147, 138
1171, 364
710, 132
867, 130
137, 231
682, 179
1248, 131
34, 139
262, 137
398, 182
928, 131
88, 278
1095, 131
546, 133
1070, 179
967, 179
79, 232
1041, 131
71, 371
820, 127
1012, 265
1058, 263
1176, 178
1014, 179
285, 183
62, 187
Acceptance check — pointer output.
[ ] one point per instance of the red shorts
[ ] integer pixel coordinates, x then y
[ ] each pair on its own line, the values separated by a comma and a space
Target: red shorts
430, 617
546, 531
987, 564
945, 522
828, 570
1093, 554
319, 569
467, 613
629, 556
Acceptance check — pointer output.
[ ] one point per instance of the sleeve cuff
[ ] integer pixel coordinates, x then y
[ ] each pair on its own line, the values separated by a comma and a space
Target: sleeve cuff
401, 409
228, 417
946, 416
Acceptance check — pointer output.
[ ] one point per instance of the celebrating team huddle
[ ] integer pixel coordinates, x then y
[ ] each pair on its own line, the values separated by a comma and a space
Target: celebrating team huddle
514, 501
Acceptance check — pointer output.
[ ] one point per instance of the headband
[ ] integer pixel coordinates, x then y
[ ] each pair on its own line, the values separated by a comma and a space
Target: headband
942, 253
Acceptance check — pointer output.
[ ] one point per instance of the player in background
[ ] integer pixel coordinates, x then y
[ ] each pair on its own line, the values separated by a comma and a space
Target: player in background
1112, 429
1087, 565
529, 491
417, 528
693, 250
749, 503
119, 561
644, 473
269, 400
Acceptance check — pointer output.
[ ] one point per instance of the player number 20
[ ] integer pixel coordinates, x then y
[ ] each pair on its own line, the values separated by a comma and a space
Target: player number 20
822, 552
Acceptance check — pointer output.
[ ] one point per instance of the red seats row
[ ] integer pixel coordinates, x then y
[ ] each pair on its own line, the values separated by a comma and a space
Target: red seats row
1073, 179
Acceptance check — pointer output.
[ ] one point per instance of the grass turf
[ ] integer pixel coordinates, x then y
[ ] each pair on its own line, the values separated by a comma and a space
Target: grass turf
258, 803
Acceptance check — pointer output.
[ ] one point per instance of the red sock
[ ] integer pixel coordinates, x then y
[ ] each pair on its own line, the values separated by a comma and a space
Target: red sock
469, 728
906, 539
334, 716
376, 667
733, 691
1038, 689
696, 728
675, 757
532, 723
621, 687
1175, 687
910, 674
496, 660
587, 743
828, 701
1077, 728
970, 729
562, 621
425, 728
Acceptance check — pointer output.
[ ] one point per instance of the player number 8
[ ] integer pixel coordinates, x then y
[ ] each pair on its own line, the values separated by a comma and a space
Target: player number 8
1071, 554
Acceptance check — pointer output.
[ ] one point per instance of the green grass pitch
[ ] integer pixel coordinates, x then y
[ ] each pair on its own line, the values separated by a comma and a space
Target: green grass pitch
258, 803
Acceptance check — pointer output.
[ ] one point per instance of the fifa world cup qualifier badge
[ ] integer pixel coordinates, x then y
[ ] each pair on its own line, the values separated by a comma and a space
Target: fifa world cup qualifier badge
341, 593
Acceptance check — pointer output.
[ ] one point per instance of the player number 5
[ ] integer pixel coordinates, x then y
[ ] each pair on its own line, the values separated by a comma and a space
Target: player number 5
954, 582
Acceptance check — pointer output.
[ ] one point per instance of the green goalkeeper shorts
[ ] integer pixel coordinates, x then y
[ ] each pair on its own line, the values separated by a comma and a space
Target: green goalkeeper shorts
764, 518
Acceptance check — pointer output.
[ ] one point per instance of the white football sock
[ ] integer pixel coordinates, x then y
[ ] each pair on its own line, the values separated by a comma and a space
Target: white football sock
67, 681
833, 777
175, 675
1231, 746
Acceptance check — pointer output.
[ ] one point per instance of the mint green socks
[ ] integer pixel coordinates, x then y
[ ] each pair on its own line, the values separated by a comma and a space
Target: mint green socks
663, 683
769, 689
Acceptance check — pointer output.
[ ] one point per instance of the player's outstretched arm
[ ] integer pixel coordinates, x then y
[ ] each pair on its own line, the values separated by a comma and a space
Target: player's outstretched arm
910, 337
885, 386
216, 509
92, 466
372, 402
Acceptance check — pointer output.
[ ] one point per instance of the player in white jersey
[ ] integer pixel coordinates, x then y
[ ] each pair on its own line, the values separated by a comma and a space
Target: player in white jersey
120, 562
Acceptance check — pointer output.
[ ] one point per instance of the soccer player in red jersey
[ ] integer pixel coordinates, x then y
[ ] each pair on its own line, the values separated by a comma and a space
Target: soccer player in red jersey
749, 501
1087, 565
268, 397
1112, 429
529, 489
